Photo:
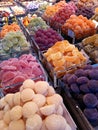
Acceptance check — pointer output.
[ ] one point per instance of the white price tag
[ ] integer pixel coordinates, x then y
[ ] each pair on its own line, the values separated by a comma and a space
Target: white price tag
71, 33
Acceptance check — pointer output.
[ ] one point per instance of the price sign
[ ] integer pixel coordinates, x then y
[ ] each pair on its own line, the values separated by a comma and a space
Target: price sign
71, 33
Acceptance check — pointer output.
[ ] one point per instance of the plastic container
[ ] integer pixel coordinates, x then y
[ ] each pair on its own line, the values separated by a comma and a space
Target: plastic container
15, 87
66, 115
76, 100
18, 11
90, 47
55, 75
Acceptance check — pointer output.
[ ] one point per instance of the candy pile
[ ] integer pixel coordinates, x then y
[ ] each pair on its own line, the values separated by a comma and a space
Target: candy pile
85, 11
32, 5
86, 3
15, 70
51, 10
26, 20
14, 41
83, 85
95, 17
90, 45
18, 10
81, 26
46, 38
8, 28
35, 24
64, 55
35, 107
62, 15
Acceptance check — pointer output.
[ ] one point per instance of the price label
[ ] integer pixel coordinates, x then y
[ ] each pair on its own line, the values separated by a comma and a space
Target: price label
71, 33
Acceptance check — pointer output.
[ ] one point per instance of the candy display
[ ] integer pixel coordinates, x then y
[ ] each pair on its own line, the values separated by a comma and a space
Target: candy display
85, 11
4, 3
8, 28
83, 85
80, 25
63, 55
46, 44
26, 20
34, 108
46, 38
51, 10
62, 15
32, 5
95, 17
86, 3
7, 9
90, 45
35, 24
18, 10
16, 70
13, 42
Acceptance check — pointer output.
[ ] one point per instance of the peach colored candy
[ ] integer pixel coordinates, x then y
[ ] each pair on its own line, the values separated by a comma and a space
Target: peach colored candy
41, 87
1, 114
28, 84
27, 95
55, 99
48, 109
39, 99
2, 125
29, 108
55, 122
16, 98
3, 103
9, 99
7, 118
17, 125
34, 123
16, 113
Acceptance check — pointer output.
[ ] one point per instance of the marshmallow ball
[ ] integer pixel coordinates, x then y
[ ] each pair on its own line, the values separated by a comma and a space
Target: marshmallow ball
29, 83
39, 99
34, 123
16, 113
27, 95
29, 108
17, 125
41, 87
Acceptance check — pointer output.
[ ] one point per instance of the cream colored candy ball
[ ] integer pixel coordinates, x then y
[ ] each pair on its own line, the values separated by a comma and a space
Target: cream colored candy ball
9, 99
55, 99
43, 126
27, 95
29, 83
48, 110
2, 125
41, 87
17, 125
59, 110
7, 108
34, 123
39, 99
7, 118
51, 91
16, 98
1, 114
55, 122
29, 109
2, 103
16, 113
7, 128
